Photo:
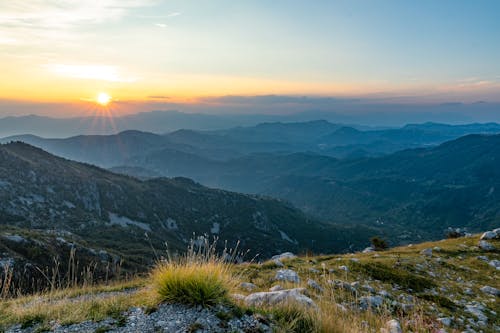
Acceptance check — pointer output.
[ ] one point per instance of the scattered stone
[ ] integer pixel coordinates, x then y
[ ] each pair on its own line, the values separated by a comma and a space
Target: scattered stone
278, 263
495, 264
279, 297
276, 288
486, 246
483, 258
477, 311
490, 290
367, 302
437, 248
344, 268
314, 285
314, 270
287, 275
286, 255
368, 250
446, 321
238, 297
393, 326
489, 235
248, 286
426, 252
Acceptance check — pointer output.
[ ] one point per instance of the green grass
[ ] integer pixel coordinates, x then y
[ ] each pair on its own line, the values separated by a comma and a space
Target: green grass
394, 275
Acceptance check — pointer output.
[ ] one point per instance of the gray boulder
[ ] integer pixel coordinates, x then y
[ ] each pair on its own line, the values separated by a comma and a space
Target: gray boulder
285, 255
490, 290
279, 297
287, 275
486, 246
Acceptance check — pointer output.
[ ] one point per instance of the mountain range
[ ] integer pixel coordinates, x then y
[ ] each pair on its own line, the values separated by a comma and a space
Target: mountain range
76, 203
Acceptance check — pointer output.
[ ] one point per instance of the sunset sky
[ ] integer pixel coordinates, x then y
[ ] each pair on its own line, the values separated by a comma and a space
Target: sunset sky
153, 51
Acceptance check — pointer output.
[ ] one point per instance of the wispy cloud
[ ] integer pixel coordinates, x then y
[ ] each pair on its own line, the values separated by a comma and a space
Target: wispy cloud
93, 72
161, 25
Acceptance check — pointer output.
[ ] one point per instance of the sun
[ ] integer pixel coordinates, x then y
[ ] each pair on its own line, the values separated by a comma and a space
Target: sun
103, 99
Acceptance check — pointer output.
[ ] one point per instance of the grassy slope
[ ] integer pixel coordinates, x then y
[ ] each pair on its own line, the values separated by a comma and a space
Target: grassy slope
456, 269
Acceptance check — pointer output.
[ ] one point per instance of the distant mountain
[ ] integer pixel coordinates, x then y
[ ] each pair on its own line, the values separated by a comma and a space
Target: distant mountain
39, 191
319, 137
411, 194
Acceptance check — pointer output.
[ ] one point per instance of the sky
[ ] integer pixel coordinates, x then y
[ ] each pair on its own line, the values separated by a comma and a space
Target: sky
153, 53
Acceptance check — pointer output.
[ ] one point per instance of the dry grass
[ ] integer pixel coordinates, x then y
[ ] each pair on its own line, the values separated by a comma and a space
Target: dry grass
205, 278
199, 277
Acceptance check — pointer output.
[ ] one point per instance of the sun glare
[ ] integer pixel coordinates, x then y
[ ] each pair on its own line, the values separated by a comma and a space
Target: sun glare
103, 99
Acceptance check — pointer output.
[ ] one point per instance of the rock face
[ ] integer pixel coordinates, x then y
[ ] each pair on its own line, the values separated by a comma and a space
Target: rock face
287, 275
279, 297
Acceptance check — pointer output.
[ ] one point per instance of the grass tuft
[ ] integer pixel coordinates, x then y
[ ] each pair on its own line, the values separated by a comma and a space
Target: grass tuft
200, 277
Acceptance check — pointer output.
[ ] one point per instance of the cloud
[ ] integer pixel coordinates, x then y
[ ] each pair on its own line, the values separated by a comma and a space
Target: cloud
37, 22
174, 14
161, 25
91, 72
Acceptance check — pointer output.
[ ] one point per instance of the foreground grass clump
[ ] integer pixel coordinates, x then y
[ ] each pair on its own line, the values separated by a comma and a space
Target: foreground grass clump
200, 277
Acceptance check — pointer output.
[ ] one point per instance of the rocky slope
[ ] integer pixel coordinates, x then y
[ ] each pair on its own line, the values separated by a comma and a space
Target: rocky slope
446, 286
49, 204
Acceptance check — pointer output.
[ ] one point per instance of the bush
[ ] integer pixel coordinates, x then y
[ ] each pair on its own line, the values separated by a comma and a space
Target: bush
198, 278
379, 244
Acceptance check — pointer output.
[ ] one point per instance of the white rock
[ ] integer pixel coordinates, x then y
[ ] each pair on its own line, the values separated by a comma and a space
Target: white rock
393, 326
369, 250
495, 264
371, 301
248, 286
238, 297
446, 321
486, 246
278, 263
489, 235
285, 255
276, 288
287, 275
315, 285
477, 312
276, 297
490, 290
426, 252
344, 268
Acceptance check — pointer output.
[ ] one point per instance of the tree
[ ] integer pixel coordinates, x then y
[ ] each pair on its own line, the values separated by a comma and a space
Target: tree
379, 244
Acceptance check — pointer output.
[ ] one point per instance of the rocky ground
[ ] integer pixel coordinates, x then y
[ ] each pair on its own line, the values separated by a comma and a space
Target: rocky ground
446, 286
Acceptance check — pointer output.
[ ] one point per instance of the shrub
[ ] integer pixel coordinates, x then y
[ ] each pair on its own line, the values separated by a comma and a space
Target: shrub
200, 277
379, 244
